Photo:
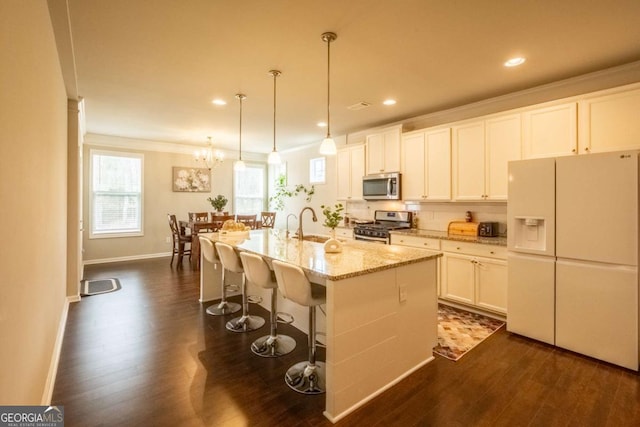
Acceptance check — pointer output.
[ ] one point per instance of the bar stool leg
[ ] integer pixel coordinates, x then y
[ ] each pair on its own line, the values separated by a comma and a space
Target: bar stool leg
308, 377
273, 345
224, 307
246, 322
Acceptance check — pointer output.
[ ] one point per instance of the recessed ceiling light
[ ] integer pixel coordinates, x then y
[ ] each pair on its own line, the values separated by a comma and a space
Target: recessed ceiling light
322, 124
219, 102
389, 102
514, 62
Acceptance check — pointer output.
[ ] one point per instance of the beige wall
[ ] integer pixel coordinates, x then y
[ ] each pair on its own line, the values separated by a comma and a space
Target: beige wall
159, 200
298, 173
33, 194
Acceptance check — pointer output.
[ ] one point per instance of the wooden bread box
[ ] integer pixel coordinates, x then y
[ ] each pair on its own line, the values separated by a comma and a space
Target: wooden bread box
463, 228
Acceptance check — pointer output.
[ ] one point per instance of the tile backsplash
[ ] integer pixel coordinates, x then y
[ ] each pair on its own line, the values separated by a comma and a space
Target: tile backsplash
435, 216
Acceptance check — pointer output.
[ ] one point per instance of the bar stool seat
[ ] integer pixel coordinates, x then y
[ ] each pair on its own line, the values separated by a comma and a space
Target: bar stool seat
306, 377
231, 262
225, 307
257, 272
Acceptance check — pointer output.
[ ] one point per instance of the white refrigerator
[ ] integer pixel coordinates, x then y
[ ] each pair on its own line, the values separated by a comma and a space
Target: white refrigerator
573, 262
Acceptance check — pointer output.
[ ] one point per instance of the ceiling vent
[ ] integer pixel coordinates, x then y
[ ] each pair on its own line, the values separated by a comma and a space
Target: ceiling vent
359, 106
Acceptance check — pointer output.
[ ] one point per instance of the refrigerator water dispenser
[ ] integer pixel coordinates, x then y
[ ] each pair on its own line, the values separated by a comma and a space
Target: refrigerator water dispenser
530, 233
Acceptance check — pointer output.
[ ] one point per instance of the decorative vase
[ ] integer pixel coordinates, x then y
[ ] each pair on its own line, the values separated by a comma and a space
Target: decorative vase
333, 245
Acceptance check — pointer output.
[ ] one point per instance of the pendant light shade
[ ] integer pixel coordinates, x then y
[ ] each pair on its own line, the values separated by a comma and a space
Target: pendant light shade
239, 165
274, 157
328, 146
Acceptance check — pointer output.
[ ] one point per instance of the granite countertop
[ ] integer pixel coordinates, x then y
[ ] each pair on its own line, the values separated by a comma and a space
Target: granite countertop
357, 258
443, 235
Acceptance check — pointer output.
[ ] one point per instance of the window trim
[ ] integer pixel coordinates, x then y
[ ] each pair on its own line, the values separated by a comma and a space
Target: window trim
107, 234
313, 171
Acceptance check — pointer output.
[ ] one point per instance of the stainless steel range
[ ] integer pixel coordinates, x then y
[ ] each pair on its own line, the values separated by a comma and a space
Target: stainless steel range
384, 222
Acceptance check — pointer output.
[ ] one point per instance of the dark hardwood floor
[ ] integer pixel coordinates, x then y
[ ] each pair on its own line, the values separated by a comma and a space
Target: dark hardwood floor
149, 355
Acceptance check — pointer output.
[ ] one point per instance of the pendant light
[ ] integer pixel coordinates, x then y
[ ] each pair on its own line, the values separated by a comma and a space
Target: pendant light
328, 146
274, 157
240, 166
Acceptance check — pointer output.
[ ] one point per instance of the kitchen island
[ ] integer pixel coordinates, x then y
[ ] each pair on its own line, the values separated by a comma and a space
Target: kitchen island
381, 311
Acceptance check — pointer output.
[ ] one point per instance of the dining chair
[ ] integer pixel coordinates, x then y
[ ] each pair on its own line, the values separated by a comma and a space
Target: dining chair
199, 216
249, 220
267, 219
179, 239
218, 221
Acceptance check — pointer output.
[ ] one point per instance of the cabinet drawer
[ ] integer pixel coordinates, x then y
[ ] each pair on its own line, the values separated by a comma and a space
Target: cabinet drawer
415, 241
344, 232
474, 249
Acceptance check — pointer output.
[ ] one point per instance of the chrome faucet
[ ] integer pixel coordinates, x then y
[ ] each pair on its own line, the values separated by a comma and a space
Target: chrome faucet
294, 217
315, 219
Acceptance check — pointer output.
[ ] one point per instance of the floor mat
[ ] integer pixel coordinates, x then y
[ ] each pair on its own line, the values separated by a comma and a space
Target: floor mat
459, 331
99, 286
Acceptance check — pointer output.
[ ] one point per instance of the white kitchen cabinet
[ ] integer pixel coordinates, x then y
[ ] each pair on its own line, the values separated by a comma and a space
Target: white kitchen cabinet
422, 243
474, 274
550, 131
344, 233
383, 151
481, 152
350, 170
426, 165
610, 122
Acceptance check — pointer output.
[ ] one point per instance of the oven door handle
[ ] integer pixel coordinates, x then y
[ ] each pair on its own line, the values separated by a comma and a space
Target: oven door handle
371, 239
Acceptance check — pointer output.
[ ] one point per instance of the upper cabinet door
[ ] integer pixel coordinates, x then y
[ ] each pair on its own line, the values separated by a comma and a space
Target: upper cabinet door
375, 153
357, 171
468, 161
413, 167
610, 123
383, 151
550, 131
350, 170
392, 150
343, 165
438, 164
503, 144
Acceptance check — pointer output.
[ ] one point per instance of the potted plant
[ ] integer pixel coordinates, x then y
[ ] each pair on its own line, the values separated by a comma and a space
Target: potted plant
282, 191
218, 203
332, 218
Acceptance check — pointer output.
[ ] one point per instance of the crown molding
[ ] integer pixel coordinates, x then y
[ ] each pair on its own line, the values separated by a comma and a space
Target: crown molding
113, 141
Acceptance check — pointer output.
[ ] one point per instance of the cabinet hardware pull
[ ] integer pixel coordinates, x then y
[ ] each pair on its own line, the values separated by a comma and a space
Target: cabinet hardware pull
573, 150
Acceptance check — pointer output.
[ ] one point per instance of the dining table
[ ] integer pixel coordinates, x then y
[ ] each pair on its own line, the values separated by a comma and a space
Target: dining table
198, 227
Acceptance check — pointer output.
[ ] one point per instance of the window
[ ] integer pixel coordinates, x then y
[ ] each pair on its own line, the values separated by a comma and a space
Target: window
249, 190
116, 194
317, 170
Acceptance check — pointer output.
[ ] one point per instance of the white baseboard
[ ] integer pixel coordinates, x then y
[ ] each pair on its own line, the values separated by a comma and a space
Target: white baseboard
126, 258
55, 356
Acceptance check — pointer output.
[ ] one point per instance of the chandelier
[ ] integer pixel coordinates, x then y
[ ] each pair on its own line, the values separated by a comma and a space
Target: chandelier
210, 158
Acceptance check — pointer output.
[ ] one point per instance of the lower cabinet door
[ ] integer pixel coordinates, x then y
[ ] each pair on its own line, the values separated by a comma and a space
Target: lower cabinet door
457, 278
491, 284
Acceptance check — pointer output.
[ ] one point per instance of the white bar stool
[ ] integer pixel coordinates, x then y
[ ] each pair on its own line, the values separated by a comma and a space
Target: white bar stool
304, 377
224, 307
257, 272
231, 262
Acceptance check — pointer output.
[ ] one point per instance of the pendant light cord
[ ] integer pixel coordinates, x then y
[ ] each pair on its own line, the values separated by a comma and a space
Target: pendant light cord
275, 75
240, 97
328, 87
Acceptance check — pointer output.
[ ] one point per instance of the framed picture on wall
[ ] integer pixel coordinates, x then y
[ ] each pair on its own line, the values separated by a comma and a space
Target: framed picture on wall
191, 180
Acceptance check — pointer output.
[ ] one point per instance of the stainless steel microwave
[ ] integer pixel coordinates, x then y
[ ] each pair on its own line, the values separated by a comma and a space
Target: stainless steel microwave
382, 186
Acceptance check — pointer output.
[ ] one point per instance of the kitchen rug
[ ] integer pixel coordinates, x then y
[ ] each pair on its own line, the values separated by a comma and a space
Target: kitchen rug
459, 331
99, 286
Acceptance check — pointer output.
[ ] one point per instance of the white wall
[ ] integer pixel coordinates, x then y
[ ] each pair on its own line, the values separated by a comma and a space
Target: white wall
33, 197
